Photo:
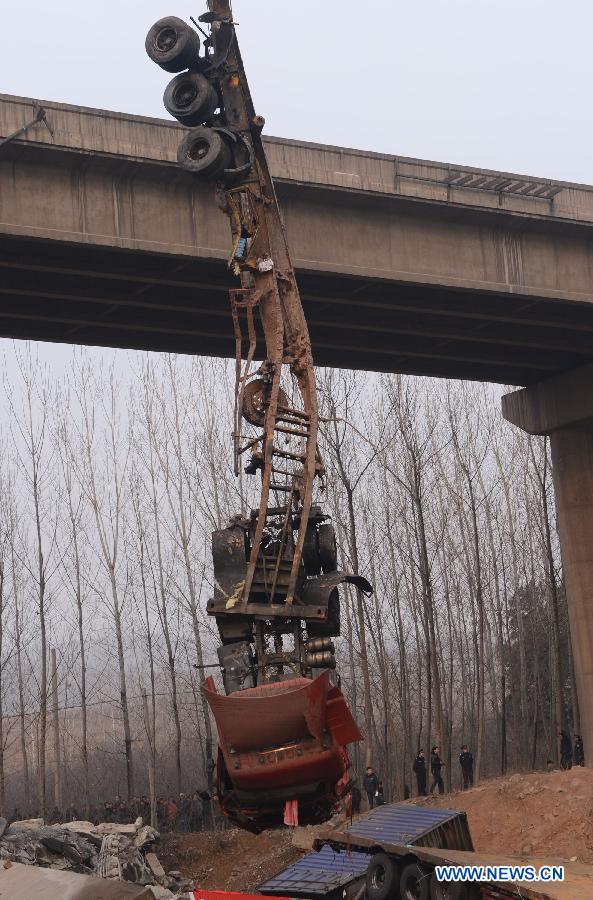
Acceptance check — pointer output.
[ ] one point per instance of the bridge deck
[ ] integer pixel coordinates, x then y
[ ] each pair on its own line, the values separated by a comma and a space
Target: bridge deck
404, 265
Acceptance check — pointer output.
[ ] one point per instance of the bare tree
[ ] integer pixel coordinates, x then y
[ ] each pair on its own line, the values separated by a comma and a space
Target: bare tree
31, 442
104, 491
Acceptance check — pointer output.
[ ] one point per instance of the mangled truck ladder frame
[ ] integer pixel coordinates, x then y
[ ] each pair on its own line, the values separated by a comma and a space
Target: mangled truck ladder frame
278, 566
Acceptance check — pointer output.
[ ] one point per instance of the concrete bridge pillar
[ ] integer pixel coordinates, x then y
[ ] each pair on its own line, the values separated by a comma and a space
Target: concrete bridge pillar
563, 408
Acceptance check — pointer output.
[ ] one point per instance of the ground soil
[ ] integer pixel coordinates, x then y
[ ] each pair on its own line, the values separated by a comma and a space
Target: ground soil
231, 860
538, 814
546, 814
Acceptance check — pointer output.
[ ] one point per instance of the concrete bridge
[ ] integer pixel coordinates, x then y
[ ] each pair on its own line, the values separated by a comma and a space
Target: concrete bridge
404, 266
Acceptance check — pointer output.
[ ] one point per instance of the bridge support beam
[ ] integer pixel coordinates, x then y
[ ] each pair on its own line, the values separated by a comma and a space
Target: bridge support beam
563, 409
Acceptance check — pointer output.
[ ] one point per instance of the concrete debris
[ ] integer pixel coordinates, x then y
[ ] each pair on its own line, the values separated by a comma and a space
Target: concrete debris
161, 893
145, 837
157, 870
18, 882
26, 824
109, 851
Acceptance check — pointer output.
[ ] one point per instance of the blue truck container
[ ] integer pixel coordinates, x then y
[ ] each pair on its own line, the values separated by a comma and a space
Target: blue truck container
326, 872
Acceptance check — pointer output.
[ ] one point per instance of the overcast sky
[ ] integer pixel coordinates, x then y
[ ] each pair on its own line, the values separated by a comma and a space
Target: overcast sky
503, 84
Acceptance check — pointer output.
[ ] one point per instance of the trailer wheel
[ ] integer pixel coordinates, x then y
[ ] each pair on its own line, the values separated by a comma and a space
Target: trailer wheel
330, 628
190, 98
172, 44
382, 877
414, 883
254, 405
310, 554
444, 890
328, 551
204, 153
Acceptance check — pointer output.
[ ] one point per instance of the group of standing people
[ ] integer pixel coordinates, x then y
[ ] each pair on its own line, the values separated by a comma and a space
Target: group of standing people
373, 786
466, 761
187, 812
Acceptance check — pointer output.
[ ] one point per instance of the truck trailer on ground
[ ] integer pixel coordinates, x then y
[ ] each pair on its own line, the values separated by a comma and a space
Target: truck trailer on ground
393, 853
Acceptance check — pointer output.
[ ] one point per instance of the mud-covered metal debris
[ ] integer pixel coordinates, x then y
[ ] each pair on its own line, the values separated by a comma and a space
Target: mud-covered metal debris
276, 601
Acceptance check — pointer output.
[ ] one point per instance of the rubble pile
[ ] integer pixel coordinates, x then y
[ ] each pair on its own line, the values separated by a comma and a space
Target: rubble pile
118, 852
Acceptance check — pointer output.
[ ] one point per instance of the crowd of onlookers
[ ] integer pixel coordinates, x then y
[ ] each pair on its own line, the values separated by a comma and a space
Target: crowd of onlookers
195, 811
187, 812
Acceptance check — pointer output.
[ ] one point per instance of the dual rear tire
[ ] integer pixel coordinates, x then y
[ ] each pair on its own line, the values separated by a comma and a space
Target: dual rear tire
204, 153
173, 45
386, 879
190, 98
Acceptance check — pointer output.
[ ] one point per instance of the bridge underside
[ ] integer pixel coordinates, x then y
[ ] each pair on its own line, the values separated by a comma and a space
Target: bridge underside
404, 265
72, 293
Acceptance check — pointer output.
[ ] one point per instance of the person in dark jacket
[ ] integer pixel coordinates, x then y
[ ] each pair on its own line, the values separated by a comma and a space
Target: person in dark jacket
466, 761
207, 811
107, 813
379, 795
356, 799
565, 751
579, 752
419, 767
184, 813
196, 815
370, 784
436, 766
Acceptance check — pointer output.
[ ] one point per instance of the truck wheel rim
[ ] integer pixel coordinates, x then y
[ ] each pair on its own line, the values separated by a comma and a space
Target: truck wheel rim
165, 39
378, 878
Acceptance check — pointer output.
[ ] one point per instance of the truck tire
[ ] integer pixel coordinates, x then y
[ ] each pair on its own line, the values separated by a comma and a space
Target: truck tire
446, 890
414, 883
173, 45
382, 878
328, 551
332, 627
204, 153
442, 890
310, 555
190, 98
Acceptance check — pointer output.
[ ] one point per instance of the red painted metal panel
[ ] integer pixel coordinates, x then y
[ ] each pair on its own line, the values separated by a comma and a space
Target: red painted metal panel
270, 715
340, 720
229, 895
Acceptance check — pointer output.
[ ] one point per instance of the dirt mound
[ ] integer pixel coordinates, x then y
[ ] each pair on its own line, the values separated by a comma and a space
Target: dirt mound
231, 860
541, 814
547, 814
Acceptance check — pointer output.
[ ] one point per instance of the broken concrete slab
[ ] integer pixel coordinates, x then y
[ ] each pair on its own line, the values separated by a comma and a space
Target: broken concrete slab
161, 893
25, 824
155, 867
145, 837
118, 855
81, 827
114, 828
19, 882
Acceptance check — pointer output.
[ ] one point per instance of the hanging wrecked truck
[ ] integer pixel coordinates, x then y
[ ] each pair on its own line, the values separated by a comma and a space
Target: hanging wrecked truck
283, 723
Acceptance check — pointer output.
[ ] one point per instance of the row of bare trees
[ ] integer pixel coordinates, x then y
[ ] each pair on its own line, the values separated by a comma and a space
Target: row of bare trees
114, 473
